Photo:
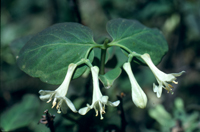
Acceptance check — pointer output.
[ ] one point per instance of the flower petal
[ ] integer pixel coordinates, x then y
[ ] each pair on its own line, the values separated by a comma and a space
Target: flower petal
83, 110
104, 99
157, 89
178, 74
45, 97
63, 108
70, 104
113, 104
45, 92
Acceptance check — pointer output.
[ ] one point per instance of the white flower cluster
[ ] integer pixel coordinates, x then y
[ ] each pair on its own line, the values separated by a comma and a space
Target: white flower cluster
98, 100
138, 96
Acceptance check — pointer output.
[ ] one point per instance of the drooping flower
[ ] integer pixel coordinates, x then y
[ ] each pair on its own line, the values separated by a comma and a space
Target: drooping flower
59, 95
138, 96
98, 100
162, 78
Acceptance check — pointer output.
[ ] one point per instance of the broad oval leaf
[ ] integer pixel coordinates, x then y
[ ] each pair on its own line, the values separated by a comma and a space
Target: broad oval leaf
133, 36
48, 54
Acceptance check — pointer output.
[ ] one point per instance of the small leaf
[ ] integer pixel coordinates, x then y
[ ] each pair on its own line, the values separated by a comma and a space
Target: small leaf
132, 36
17, 44
21, 114
108, 78
48, 54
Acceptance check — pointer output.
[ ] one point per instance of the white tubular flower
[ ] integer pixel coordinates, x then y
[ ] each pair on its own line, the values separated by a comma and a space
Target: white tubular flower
98, 100
60, 93
161, 77
138, 96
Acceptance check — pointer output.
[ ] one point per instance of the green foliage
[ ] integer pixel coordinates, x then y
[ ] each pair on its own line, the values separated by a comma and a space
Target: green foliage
132, 36
108, 78
155, 9
48, 54
168, 121
20, 114
162, 117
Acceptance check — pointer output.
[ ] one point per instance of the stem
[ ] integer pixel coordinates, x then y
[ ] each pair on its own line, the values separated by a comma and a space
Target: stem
121, 46
103, 56
87, 61
133, 54
84, 61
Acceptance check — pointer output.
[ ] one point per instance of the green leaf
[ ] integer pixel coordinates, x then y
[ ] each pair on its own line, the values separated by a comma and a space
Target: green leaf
108, 78
163, 117
132, 36
21, 114
17, 44
154, 9
48, 54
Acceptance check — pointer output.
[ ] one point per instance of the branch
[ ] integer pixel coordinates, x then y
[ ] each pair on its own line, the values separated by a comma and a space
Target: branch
48, 120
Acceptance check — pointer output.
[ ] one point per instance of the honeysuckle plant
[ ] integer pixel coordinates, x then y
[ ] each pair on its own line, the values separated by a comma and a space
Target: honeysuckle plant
70, 47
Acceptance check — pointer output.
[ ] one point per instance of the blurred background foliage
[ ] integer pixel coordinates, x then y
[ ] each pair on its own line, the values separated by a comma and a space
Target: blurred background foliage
179, 20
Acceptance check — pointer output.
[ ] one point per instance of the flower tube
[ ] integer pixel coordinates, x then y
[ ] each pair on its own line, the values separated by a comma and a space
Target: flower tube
138, 96
59, 94
98, 100
161, 77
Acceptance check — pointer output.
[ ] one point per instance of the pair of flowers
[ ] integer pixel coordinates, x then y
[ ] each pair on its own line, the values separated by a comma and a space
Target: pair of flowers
138, 96
98, 100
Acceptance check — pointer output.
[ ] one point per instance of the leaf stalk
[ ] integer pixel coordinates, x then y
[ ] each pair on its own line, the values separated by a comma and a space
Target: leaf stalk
103, 56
